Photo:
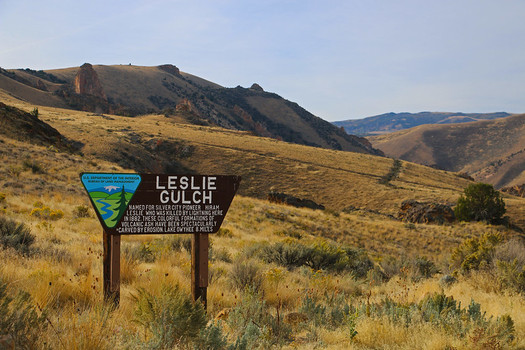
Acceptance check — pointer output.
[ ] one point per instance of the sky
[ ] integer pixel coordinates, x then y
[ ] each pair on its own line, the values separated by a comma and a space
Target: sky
338, 59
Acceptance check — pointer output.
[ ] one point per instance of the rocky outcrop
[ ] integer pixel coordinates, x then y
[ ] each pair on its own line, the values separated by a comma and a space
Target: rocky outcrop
184, 106
425, 212
518, 190
87, 82
171, 69
257, 87
282, 198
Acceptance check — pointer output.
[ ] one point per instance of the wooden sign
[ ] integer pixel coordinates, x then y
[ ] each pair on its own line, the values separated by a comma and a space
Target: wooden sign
159, 204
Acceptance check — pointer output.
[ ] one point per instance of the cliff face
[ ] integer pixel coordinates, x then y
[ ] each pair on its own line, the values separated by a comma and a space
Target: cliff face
87, 82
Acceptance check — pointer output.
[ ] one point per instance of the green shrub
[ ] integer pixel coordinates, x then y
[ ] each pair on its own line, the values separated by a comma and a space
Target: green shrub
318, 256
289, 255
444, 312
511, 275
475, 253
480, 202
333, 311
168, 319
19, 320
212, 338
255, 327
246, 275
15, 235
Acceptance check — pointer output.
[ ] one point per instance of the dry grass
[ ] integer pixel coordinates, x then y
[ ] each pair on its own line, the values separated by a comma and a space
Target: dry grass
63, 272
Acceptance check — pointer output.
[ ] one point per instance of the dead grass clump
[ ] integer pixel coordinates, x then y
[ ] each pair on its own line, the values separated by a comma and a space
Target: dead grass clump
89, 328
81, 211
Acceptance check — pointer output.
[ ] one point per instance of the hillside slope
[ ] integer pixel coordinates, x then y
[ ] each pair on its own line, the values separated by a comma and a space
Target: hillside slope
491, 151
133, 90
335, 179
390, 122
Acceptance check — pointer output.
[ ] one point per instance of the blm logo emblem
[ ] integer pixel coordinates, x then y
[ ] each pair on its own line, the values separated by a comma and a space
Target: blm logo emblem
110, 194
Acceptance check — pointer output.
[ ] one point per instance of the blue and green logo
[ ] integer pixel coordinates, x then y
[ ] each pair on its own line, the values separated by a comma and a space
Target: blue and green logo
110, 194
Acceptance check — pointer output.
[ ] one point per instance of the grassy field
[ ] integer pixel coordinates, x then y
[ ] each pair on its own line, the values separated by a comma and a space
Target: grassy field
280, 277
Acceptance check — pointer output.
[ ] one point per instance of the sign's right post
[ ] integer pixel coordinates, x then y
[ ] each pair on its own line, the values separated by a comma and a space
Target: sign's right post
199, 267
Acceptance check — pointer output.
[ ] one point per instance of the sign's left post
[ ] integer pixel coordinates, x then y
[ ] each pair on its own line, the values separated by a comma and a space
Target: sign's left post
111, 268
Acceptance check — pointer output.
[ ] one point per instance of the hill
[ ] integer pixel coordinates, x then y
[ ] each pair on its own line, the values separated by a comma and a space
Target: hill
391, 122
491, 151
335, 179
133, 90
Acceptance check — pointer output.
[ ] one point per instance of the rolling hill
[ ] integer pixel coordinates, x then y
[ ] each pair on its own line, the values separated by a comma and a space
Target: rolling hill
391, 122
491, 151
133, 90
335, 179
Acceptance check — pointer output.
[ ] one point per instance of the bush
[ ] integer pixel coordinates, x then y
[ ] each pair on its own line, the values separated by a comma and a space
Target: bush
15, 235
81, 211
511, 275
255, 327
47, 213
319, 256
333, 312
168, 319
246, 275
480, 202
36, 167
446, 313
34, 112
19, 320
212, 338
475, 253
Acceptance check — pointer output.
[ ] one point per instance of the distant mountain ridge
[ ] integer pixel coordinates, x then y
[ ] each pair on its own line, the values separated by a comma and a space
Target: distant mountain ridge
490, 151
390, 122
134, 90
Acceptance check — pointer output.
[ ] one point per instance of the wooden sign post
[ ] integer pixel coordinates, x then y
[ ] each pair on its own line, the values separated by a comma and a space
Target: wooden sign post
199, 267
111, 268
159, 204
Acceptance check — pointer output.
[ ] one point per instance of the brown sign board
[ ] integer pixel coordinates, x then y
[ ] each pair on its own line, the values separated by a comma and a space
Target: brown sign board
160, 203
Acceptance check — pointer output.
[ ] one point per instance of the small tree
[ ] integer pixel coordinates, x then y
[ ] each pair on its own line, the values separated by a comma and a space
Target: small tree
121, 204
34, 112
480, 202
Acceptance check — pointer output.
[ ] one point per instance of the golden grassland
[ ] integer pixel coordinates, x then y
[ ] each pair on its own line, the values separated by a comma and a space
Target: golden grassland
63, 274
62, 271
332, 178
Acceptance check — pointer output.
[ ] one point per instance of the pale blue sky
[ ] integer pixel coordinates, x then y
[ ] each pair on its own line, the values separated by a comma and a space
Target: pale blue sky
337, 59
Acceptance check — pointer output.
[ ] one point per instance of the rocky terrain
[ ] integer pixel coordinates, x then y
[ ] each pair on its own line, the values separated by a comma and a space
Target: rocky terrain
133, 90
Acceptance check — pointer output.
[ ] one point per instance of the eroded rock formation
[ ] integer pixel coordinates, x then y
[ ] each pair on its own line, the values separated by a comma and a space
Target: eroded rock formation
87, 82
425, 213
